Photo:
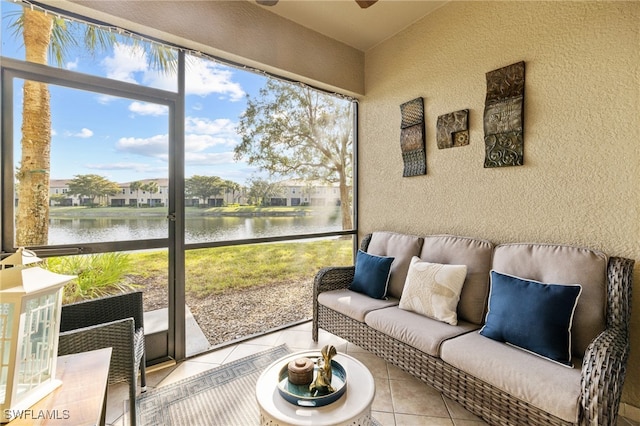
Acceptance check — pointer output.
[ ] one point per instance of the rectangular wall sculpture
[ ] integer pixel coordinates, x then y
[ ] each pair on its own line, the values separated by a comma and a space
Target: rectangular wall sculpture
412, 138
503, 117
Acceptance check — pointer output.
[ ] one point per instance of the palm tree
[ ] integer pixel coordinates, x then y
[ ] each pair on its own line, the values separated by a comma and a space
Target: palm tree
42, 34
135, 186
151, 188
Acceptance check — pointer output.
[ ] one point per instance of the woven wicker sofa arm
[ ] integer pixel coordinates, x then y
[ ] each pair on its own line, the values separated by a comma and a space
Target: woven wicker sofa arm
327, 279
334, 278
603, 373
118, 335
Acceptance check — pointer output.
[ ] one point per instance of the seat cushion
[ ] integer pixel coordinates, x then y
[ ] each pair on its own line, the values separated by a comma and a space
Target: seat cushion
476, 254
421, 332
401, 247
559, 264
352, 304
546, 385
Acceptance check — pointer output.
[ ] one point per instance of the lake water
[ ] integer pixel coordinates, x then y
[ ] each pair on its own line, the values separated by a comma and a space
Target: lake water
197, 229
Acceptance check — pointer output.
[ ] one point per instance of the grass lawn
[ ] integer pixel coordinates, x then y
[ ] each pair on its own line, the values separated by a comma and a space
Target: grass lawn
214, 270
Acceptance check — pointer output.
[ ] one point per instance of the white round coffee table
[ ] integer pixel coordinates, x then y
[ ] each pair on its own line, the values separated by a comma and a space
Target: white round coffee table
353, 408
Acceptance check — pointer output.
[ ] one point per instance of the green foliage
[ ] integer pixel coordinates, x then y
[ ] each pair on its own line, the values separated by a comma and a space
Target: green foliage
92, 186
98, 274
261, 191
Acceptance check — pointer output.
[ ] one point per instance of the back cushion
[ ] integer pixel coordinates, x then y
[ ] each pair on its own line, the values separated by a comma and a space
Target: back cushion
558, 264
474, 253
402, 248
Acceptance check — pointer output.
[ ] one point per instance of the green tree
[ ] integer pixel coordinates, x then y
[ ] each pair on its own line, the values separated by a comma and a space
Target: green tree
136, 186
299, 132
203, 187
45, 34
261, 191
232, 187
151, 187
92, 186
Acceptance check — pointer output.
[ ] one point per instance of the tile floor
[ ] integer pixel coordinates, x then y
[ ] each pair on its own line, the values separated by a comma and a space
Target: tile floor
400, 398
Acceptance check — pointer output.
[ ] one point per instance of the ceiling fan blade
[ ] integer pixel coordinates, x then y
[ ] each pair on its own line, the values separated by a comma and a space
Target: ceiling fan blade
267, 2
365, 3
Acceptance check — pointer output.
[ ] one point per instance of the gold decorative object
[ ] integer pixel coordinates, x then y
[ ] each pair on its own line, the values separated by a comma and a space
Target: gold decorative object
322, 384
301, 371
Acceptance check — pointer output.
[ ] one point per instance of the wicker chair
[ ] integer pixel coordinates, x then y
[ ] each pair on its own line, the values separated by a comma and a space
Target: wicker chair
112, 321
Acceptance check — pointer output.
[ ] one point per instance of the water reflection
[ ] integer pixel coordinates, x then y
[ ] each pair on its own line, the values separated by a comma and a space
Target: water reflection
197, 229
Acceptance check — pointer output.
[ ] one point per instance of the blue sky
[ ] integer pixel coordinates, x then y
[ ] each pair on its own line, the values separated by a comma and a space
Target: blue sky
126, 140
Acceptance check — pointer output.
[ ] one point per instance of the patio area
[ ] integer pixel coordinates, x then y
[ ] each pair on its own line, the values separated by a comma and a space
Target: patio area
400, 398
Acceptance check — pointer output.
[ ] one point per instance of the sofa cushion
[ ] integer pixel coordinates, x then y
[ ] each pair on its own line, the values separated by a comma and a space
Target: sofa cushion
433, 289
421, 332
476, 254
400, 246
352, 304
549, 263
371, 275
531, 315
546, 385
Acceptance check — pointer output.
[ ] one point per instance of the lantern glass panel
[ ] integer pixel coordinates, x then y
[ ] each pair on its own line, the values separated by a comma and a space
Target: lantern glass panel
6, 327
36, 352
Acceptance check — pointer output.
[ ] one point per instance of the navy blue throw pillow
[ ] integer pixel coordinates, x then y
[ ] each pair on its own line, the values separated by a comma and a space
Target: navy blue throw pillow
372, 275
532, 315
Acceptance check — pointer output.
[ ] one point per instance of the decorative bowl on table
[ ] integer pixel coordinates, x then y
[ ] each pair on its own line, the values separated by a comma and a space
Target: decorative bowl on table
303, 396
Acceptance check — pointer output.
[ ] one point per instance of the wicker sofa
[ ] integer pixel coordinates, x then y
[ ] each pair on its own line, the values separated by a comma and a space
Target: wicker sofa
500, 383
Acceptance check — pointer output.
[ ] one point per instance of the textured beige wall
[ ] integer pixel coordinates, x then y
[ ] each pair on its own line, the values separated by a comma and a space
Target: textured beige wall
580, 182
238, 31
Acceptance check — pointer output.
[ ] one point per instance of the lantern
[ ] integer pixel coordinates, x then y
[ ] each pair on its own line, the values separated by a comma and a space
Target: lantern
30, 303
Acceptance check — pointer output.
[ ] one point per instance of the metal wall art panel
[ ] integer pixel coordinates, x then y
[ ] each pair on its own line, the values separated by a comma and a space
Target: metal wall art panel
503, 117
453, 129
412, 135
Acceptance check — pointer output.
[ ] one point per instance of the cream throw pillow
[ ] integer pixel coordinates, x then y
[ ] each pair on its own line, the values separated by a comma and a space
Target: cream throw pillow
433, 290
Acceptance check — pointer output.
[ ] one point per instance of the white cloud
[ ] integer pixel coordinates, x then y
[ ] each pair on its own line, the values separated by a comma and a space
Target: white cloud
208, 158
84, 133
129, 166
205, 77
125, 62
155, 146
210, 127
146, 108
72, 65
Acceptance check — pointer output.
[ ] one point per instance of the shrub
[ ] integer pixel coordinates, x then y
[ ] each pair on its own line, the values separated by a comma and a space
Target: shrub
98, 275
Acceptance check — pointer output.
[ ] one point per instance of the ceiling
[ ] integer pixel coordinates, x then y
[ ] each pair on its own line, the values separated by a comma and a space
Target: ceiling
345, 21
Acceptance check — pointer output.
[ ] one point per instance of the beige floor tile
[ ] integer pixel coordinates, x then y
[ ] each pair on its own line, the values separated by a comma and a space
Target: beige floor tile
457, 411
376, 365
414, 420
185, 369
270, 339
245, 349
117, 393
155, 377
414, 397
382, 400
385, 419
216, 357
396, 373
298, 340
